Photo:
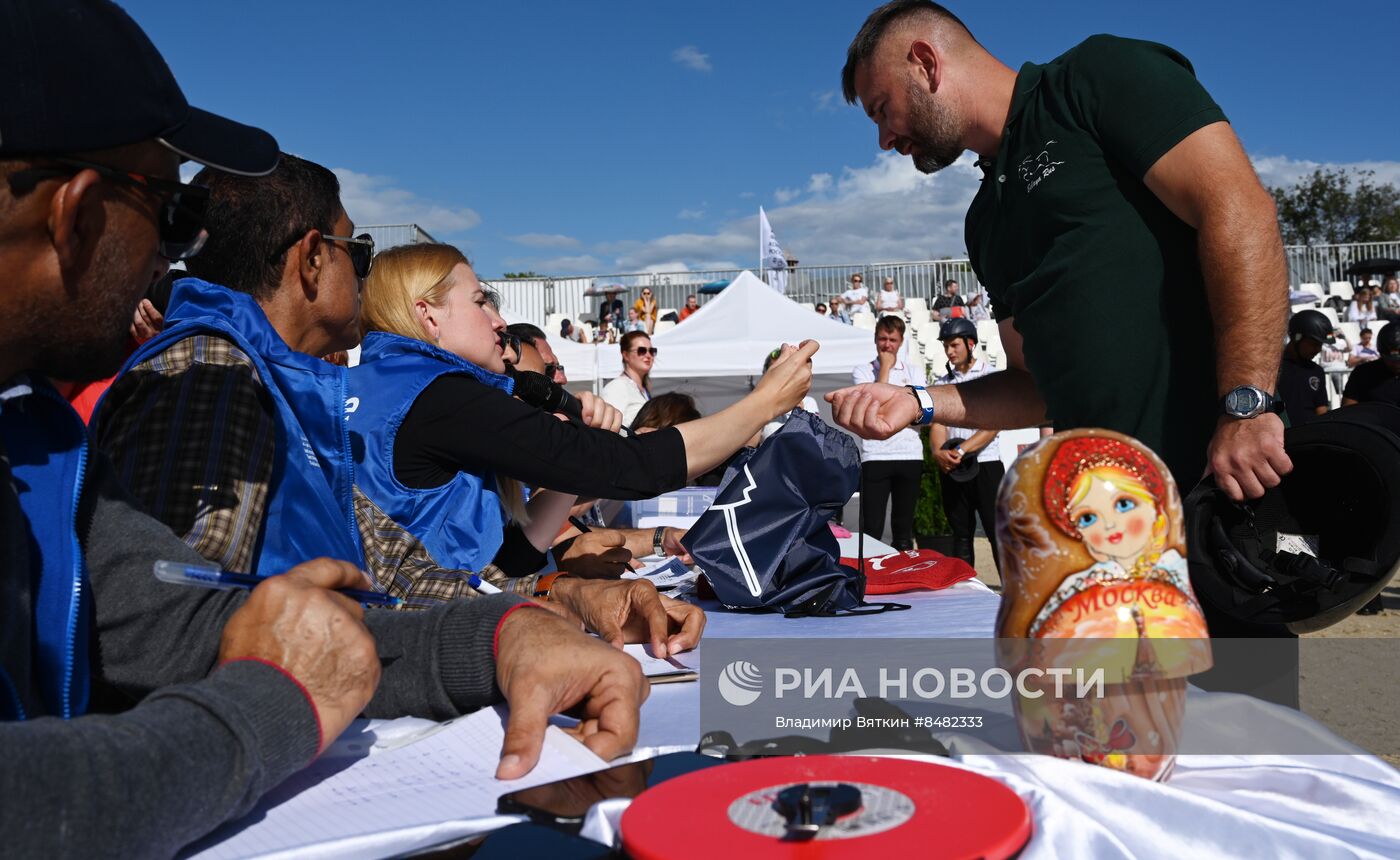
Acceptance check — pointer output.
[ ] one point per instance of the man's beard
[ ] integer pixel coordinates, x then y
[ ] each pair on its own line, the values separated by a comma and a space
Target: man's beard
935, 131
91, 341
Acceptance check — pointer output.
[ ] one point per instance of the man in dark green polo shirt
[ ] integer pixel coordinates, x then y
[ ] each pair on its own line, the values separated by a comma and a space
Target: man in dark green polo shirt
1133, 258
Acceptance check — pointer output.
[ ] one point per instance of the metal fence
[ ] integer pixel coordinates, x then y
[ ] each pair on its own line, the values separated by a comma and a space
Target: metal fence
391, 235
535, 299
1322, 264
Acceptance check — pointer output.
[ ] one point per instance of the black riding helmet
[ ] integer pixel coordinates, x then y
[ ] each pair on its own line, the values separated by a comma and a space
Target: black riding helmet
1310, 324
1388, 342
957, 327
1315, 548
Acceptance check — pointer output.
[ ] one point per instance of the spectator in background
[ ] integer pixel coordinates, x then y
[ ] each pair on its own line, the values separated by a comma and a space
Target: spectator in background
646, 309
976, 310
821, 308
665, 410
1363, 352
1363, 307
634, 322
888, 300
1301, 382
692, 304
949, 299
965, 498
534, 336
856, 300
569, 331
838, 310
1388, 300
892, 467
629, 391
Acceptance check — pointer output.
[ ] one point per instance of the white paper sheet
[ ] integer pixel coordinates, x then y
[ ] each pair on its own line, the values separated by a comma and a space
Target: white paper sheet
657, 667
367, 793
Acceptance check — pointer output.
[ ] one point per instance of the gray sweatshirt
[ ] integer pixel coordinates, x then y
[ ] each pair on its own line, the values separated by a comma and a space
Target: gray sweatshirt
171, 746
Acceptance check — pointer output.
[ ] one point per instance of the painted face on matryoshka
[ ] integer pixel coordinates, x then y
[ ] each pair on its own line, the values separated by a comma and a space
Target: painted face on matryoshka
1117, 518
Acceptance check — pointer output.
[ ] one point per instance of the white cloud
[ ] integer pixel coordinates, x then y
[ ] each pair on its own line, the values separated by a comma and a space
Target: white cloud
746, 195
546, 240
578, 264
1280, 170
827, 101
786, 195
378, 200
690, 214
690, 57
819, 182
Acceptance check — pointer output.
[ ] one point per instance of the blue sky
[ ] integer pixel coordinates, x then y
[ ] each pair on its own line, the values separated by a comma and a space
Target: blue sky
612, 137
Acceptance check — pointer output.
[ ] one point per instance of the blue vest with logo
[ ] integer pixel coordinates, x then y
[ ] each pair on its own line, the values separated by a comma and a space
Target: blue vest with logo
47, 447
310, 507
460, 522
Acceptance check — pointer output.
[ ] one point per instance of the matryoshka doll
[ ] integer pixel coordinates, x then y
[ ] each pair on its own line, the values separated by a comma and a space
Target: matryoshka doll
1094, 576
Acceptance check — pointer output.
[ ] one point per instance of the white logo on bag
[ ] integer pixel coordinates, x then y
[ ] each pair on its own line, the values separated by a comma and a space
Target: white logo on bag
740, 683
736, 540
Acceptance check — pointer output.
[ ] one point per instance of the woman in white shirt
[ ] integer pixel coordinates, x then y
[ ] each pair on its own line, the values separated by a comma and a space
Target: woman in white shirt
857, 298
633, 388
888, 300
1363, 308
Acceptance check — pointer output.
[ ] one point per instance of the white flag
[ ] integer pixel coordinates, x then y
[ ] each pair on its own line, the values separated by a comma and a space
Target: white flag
770, 254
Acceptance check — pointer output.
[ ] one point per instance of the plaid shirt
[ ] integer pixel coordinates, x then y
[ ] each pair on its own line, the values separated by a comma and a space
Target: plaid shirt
192, 432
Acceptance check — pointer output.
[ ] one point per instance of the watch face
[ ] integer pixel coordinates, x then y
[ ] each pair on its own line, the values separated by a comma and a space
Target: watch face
1243, 402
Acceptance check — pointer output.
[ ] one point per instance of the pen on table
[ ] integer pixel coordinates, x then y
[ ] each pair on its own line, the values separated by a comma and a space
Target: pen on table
211, 576
580, 525
482, 585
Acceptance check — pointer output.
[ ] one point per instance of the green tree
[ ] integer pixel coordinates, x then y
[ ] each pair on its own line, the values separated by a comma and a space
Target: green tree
929, 518
516, 275
1338, 206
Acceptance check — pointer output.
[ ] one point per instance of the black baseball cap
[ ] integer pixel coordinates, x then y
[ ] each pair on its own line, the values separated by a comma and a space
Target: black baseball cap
80, 75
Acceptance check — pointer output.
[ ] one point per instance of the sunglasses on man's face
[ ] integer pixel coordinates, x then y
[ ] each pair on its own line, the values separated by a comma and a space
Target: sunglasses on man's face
361, 250
552, 370
179, 219
644, 350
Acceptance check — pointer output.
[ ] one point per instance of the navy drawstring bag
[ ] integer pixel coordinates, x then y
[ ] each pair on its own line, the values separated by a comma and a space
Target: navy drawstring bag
765, 542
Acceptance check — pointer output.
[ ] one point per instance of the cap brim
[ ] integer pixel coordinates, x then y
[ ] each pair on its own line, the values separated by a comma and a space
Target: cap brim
223, 144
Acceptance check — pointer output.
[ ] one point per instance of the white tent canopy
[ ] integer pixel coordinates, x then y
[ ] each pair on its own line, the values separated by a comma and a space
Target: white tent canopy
729, 336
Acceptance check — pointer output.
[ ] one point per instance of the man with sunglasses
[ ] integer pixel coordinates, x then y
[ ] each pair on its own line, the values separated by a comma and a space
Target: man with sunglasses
534, 336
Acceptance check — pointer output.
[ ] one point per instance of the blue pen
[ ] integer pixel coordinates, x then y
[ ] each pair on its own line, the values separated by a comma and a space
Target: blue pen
210, 576
482, 585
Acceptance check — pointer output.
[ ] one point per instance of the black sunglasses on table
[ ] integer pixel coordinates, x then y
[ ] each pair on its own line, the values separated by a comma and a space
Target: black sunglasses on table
180, 218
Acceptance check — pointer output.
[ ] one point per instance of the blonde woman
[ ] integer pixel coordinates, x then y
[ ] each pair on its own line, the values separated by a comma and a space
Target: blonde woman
433, 423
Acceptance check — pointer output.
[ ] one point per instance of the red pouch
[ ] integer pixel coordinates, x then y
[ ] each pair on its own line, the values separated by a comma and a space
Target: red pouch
912, 570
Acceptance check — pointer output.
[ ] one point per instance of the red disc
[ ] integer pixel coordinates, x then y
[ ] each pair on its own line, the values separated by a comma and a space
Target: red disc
909, 809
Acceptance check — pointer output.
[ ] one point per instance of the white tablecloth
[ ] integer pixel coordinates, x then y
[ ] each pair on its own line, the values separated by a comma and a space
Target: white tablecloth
1319, 806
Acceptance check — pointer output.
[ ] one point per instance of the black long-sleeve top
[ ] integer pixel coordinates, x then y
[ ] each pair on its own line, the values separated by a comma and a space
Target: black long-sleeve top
459, 424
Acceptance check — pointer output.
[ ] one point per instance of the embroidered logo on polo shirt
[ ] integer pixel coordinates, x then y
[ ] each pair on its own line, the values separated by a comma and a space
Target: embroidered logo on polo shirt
1035, 169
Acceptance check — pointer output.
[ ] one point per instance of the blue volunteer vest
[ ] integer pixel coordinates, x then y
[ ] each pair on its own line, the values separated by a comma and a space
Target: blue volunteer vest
310, 508
47, 446
460, 522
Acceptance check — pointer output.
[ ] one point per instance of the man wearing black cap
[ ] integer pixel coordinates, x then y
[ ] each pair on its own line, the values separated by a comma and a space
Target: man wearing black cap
1301, 381
136, 716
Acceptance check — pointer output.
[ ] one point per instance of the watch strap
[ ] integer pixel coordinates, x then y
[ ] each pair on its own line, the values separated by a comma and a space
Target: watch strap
925, 401
544, 583
657, 541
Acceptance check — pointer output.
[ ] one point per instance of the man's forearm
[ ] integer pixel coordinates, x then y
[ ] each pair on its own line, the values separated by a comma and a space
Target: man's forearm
153, 779
998, 401
1246, 276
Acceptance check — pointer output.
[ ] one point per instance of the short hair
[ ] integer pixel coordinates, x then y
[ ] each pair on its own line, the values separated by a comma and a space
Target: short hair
867, 41
890, 323
254, 220
666, 410
951, 282
527, 332
1365, 331
632, 337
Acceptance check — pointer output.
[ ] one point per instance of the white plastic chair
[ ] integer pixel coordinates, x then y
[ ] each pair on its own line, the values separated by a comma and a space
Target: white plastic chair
864, 321
663, 325
1352, 331
1315, 289
1331, 314
1341, 289
916, 305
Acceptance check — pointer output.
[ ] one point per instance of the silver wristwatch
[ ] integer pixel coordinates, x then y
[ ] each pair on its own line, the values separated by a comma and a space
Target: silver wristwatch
1247, 401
